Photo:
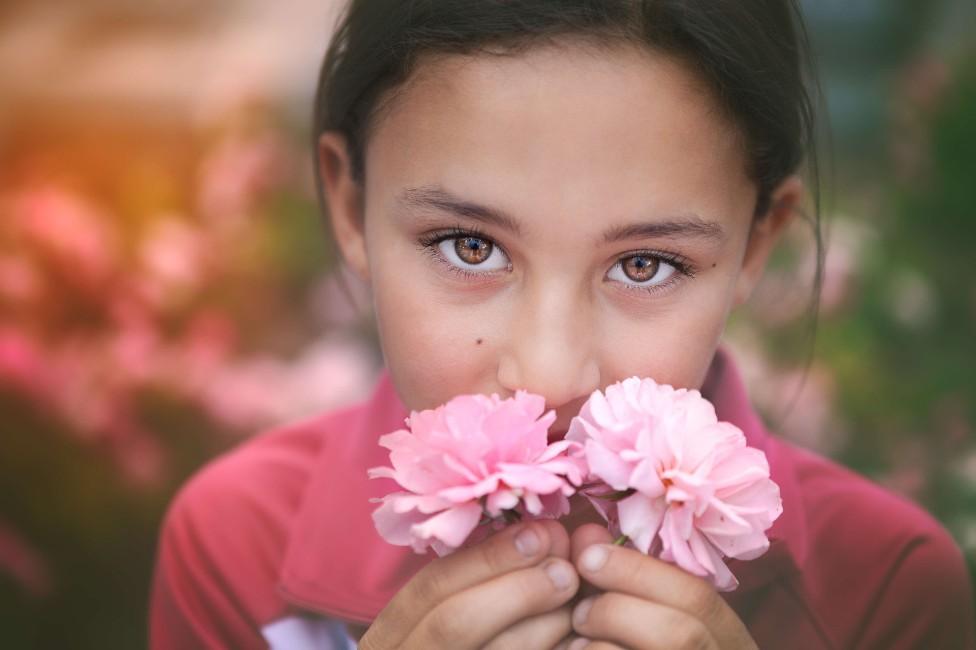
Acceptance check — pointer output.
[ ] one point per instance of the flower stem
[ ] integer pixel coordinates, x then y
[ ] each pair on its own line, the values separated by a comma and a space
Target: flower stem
620, 541
621, 495
591, 485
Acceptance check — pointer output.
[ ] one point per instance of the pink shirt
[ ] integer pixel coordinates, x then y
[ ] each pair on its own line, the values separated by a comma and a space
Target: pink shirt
272, 545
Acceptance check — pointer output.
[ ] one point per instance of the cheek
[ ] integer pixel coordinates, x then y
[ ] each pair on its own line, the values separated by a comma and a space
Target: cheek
430, 344
673, 346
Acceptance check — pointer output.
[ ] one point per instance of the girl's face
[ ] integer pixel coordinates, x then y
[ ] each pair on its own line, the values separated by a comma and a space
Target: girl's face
554, 221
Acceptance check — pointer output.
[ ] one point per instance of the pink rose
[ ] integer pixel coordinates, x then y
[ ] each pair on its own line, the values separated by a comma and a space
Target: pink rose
471, 457
681, 485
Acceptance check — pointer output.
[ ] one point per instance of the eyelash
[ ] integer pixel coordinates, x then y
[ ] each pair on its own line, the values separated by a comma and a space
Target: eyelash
681, 264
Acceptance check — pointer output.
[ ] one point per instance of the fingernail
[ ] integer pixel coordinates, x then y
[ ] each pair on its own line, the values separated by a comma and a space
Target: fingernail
594, 557
581, 612
560, 574
527, 542
579, 644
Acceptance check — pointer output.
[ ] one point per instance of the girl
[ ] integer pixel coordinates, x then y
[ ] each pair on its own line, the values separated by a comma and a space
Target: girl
550, 195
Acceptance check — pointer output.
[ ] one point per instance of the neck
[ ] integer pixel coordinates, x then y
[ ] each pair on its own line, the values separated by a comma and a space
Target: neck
710, 384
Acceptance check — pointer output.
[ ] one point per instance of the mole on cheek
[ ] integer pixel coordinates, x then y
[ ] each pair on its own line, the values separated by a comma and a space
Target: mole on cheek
478, 341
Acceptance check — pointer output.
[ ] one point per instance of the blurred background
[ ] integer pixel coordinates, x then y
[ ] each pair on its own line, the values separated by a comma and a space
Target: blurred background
167, 288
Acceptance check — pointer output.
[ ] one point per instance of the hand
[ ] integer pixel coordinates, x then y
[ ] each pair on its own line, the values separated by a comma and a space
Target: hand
647, 603
509, 591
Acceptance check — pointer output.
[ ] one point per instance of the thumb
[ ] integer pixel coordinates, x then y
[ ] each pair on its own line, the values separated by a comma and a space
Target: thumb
581, 538
586, 535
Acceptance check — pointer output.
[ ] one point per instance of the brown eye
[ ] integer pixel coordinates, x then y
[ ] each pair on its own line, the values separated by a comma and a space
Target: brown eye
472, 250
640, 268
468, 253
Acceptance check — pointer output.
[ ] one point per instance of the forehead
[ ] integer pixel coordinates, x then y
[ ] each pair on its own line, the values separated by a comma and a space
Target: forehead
560, 127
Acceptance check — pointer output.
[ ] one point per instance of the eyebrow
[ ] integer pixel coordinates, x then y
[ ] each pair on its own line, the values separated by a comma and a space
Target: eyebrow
688, 225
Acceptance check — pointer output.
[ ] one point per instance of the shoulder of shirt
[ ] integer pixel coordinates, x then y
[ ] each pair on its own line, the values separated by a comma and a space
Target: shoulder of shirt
885, 553
230, 520
274, 461
838, 498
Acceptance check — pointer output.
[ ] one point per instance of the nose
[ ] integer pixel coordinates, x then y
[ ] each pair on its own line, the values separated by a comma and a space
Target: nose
550, 351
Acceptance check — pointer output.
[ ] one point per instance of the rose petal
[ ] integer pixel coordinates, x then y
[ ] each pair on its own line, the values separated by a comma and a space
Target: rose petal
451, 526
607, 465
640, 519
394, 526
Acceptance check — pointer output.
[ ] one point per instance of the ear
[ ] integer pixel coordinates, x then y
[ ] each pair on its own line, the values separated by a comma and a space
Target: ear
344, 200
765, 232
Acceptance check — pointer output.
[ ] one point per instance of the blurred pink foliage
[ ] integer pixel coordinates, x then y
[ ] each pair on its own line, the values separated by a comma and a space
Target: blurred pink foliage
20, 561
785, 291
66, 230
263, 390
237, 170
101, 306
18, 279
798, 402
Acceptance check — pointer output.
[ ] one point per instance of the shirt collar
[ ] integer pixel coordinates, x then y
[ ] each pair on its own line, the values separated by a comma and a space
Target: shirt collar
335, 563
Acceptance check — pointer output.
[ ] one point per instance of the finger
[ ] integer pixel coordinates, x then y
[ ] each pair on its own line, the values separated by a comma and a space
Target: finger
613, 568
513, 548
584, 536
559, 542
472, 617
587, 535
541, 631
579, 643
639, 624
564, 644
